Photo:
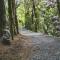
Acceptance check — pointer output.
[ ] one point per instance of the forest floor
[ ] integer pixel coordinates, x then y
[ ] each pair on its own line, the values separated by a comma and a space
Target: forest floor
31, 46
17, 50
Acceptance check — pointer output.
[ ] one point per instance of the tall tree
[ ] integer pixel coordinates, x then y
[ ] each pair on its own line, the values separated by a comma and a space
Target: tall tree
15, 17
2, 17
10, 17
36, 16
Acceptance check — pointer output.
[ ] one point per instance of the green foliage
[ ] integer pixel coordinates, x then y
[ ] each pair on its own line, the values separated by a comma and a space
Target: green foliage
21, 14
45, 18
42, 16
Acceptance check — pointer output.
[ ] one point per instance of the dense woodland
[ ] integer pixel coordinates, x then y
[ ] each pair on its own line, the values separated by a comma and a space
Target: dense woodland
40, 16
35, 15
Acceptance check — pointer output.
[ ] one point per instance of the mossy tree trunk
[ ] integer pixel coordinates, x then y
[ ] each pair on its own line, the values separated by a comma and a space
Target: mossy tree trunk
10, 17
13, 18
36, 16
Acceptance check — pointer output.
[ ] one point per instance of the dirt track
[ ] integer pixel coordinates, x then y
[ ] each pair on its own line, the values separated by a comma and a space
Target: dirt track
18, 50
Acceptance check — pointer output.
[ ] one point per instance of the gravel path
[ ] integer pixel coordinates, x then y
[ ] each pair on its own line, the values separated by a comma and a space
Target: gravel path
43, 47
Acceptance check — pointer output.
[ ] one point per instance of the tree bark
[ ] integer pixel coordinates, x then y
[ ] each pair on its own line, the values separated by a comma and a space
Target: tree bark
58, 6
15, 18
10, 17
2, 17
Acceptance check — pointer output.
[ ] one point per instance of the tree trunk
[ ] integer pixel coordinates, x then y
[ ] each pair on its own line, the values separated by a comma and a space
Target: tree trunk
15, 17
2, 17
16, 22
36, 21
58, 6
10, 17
